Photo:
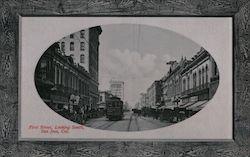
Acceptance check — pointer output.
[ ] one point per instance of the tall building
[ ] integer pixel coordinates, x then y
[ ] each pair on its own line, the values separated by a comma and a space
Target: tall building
76, 45
60, 82
94, 34
83, 47
117, 88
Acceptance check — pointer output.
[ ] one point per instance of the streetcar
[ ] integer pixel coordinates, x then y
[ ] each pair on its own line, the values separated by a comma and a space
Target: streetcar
114, 108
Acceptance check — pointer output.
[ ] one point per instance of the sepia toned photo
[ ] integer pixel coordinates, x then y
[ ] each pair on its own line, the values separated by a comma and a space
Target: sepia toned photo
131, 78
126, 77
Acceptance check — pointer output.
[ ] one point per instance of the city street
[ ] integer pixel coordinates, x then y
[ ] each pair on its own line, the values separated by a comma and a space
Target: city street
130, 122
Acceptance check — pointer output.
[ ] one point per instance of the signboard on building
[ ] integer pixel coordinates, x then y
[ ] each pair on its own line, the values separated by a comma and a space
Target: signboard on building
74, 99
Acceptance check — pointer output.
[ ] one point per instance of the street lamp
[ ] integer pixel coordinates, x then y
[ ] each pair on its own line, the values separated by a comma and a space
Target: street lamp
177, 100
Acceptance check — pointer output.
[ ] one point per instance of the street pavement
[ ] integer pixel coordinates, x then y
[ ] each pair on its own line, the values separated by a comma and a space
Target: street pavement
130, 122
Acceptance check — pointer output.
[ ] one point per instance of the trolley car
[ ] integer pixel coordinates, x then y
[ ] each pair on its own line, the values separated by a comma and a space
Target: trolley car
114, 108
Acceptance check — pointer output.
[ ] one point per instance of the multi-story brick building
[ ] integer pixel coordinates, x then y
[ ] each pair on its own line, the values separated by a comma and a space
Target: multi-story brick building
76, 45
200, 79
191, 83
58, 80
94, 34
188, 85
67, 73
171, 83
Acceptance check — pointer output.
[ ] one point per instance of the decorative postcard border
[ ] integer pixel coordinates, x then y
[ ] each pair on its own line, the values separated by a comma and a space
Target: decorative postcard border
10, 10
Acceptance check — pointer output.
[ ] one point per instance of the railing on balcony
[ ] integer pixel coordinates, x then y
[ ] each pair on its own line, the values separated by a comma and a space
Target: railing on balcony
196, 89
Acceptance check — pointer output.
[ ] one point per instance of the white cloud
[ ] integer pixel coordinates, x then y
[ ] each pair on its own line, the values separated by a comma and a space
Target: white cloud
137, 70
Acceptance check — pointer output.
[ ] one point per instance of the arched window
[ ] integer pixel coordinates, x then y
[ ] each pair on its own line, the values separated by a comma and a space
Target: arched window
56, 75
184, 85
206, 73
194, 80
62, 77
188, 83
80, 86
203, 73
72, 82
199, 77
72, 46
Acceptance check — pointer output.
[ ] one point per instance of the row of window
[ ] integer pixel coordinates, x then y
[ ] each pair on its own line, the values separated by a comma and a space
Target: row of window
72, 46
82, 33
202, 77
69, 80
82, 58
177, 86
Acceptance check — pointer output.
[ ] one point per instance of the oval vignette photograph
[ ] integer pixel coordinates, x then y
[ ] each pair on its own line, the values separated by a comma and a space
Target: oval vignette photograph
126, 77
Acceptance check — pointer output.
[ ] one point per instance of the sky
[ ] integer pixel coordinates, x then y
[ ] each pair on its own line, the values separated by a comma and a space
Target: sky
137, 55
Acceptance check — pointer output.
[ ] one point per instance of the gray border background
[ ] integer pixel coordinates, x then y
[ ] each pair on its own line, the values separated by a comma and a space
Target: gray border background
9, 11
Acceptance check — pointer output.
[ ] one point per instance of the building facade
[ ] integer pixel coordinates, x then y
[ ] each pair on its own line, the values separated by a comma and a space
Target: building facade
67, 73
117, 88
200, 79
76, 45
190, 83
154, 93
94, 34
172, 83
60, 82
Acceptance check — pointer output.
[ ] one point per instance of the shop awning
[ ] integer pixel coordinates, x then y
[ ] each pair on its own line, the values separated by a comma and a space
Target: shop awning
197, 106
